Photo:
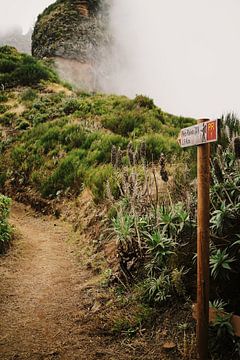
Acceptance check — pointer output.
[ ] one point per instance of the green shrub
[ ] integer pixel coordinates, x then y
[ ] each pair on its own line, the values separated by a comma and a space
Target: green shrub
29, 95
36, 179
46, 108
50, 138
38, 119
181, 122
156, 144
7, 66
5, 229
102, 146
3, 108
151, 125
3, 97
71, 106
73, 136
124, 124
68, 174
97, 179
22, 124
29, 74
21, 69
7, 119
18, 155
144, 102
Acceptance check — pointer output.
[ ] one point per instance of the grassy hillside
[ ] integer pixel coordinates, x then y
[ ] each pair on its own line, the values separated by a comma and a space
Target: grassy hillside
64, 140
22, 69
58, 143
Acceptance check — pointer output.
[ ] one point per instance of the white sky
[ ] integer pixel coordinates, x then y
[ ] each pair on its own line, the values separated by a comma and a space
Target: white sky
20, 12
183, 53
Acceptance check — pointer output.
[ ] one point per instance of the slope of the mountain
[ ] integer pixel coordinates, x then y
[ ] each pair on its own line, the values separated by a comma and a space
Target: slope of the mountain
113, 167
65, 138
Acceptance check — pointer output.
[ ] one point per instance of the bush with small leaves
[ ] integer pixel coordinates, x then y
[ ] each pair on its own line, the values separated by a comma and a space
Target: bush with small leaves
22, 124
98, 178
29, 95
71, 106
144, 102
22, 69
125, 123
8, 119
67, 175
3, 108
5, 228
3, 97
156, 144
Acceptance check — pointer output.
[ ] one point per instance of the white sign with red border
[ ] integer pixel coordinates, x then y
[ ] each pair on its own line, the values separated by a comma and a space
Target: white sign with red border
202, 133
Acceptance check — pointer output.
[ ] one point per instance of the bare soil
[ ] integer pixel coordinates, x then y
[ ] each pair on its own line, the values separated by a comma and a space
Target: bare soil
50, 306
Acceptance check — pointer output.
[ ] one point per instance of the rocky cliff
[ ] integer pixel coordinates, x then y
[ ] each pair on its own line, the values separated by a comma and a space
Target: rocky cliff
71, 29
74, 33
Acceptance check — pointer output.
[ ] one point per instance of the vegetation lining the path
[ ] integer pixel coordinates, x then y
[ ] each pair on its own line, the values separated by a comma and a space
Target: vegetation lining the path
156, 237
5, 228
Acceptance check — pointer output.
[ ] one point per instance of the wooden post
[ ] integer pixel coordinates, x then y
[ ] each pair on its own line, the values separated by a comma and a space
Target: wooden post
203, 166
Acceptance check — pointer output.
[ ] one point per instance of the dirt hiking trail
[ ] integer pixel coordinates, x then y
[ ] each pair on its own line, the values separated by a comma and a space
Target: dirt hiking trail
49, 304
40, 292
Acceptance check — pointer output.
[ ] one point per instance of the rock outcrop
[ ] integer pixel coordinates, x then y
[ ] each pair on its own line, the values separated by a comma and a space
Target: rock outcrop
71, 29
73, 33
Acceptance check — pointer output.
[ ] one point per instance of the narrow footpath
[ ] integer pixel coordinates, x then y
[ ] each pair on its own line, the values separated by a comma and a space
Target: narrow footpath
49, 304
42, 298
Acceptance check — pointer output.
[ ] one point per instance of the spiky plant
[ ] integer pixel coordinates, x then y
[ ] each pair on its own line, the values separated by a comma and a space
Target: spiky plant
237, 147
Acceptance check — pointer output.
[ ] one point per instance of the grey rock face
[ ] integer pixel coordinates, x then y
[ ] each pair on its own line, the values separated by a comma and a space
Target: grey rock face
72, 29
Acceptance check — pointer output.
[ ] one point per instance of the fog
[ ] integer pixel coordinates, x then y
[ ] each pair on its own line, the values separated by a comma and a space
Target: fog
14, 29
20, 13
184, 54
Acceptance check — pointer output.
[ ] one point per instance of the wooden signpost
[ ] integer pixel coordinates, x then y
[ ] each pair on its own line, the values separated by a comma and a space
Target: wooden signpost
202, 134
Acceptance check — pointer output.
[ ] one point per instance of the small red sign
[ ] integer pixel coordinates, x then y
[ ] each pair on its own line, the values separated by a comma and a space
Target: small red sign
212, 131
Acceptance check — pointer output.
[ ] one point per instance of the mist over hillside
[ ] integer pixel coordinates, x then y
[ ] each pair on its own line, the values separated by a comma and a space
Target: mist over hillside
15, 37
